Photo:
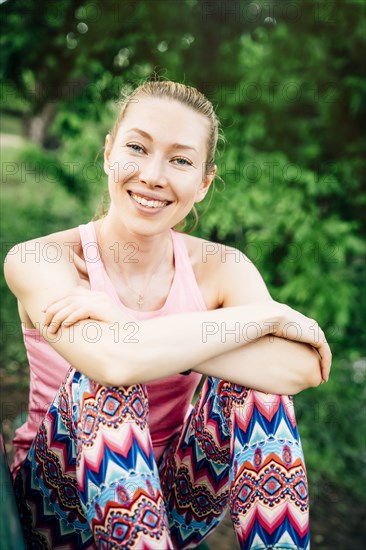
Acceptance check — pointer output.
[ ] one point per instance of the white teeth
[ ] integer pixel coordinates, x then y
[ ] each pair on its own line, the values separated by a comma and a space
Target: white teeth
150, 204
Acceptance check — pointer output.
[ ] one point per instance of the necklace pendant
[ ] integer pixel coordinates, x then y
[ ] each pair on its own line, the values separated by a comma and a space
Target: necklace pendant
140, 301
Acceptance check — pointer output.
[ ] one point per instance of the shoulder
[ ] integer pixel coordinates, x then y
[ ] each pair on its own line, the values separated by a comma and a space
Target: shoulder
43, 256
229, 273
205, 254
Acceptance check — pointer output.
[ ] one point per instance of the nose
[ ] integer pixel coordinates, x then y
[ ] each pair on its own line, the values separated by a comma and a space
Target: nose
152, 172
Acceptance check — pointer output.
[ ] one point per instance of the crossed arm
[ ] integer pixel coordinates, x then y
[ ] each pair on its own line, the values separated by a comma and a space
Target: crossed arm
259, 354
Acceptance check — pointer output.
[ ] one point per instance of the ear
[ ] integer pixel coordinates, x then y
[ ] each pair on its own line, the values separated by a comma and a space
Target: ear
205, 185
107, 152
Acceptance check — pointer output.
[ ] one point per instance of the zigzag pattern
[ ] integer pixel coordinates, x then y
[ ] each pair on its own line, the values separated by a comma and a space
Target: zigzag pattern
46, 486
119, 484
79, 487
241, 448
90, 479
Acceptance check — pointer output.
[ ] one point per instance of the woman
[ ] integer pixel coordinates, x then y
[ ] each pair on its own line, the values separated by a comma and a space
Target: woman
141, 311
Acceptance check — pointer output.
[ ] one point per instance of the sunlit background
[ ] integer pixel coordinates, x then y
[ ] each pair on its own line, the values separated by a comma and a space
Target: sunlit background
287, 79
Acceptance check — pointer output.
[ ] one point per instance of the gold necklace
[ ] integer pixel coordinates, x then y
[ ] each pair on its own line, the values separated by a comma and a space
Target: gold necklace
141, 295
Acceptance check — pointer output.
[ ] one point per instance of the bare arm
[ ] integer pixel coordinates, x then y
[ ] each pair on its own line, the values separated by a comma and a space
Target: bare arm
253, 364
270, 364
158, 348
162, 346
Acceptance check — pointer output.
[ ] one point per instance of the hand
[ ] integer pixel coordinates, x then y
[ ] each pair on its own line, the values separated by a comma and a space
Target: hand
293, 325
79, 304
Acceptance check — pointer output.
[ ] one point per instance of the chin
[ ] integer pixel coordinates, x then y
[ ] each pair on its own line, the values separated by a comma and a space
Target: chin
144, 229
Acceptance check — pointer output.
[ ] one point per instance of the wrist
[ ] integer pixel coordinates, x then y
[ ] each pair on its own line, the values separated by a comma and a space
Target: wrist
267, 318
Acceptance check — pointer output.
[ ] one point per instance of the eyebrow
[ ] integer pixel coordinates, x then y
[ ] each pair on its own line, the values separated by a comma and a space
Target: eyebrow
173, 146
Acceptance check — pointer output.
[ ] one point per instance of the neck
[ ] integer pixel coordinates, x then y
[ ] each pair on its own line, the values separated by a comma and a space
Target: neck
136, 255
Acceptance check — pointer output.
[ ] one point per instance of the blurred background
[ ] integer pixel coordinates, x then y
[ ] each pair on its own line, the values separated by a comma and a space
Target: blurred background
287, 79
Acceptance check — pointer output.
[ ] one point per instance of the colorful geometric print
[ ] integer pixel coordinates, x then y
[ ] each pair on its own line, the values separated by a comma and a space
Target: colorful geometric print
91, 481
119, 484
46, 485
239, 448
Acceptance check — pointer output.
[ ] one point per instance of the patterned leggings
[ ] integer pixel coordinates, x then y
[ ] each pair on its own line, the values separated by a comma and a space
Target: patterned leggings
91, 481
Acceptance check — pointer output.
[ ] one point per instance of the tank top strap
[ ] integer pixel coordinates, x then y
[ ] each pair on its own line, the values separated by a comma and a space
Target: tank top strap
184, 270
92, 256
181, 257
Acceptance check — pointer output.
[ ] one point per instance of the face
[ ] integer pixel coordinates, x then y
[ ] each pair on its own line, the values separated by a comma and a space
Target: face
156, 165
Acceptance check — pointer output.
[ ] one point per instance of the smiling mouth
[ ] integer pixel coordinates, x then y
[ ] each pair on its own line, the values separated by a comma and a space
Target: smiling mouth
148, 203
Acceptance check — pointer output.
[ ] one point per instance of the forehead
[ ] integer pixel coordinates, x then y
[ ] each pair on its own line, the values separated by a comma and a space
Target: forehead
166, 120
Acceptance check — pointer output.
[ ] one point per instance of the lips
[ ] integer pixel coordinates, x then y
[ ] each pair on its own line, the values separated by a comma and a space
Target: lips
148, 202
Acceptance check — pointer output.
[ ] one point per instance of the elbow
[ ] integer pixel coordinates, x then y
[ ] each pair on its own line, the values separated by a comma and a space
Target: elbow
110, 378
123, 369
113, 373
113, 377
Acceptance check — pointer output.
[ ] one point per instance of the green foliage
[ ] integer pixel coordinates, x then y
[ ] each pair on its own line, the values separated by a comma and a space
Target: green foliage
33, 203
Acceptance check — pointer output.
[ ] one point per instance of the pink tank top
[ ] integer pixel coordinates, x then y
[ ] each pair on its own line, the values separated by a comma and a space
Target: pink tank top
168, 406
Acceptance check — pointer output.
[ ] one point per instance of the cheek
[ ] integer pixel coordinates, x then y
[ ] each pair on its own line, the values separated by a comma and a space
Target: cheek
122, 170
189, 193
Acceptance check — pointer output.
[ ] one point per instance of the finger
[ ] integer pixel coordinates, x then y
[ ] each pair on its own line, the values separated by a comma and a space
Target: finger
72, 314
58, 317
73, 299
80, 314
54, 303
327, 362
72, 294
316, 337
52, 310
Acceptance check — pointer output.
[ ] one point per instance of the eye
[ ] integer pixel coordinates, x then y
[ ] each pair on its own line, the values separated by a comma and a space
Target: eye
182, 161
135, 147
